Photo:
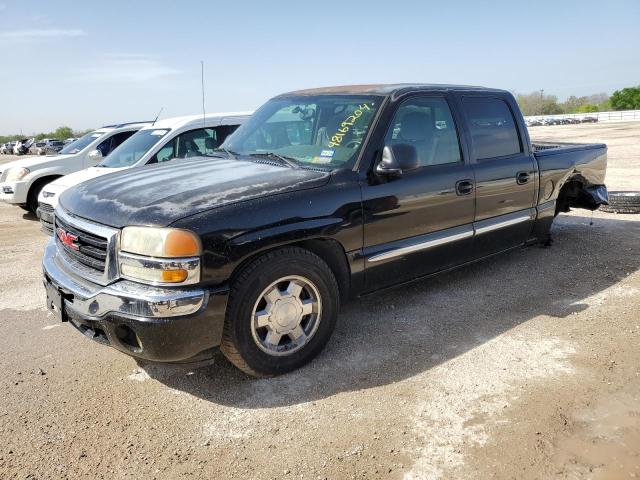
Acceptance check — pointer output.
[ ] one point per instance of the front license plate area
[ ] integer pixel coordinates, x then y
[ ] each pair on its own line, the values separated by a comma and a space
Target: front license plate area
55, 302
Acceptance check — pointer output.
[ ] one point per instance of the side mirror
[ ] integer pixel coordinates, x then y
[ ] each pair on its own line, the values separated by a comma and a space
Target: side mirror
95, 155
396, 159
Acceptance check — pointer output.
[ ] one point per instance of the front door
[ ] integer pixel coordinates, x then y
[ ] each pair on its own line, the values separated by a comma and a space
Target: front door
422, 221
505, 175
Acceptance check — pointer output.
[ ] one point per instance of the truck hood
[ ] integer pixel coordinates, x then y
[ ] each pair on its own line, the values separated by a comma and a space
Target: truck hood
33, 162
158, 195
82, 176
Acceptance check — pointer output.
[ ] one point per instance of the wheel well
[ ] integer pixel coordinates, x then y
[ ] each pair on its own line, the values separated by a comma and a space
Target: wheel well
569, 193
574, 194
42, 181
329, 250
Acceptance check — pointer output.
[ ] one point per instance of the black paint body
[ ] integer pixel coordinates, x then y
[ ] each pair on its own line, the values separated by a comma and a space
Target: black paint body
241, 208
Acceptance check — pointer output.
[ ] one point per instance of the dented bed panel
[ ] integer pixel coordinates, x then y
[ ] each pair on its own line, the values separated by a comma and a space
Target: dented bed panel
563, 163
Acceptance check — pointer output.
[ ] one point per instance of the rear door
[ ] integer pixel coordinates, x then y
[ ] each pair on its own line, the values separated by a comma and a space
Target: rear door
504, 171
420, 222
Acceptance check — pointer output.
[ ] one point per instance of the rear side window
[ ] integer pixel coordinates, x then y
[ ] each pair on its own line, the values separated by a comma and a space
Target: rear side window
108, 145
493, 129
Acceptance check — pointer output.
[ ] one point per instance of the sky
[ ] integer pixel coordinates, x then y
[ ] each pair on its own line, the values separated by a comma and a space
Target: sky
86, 63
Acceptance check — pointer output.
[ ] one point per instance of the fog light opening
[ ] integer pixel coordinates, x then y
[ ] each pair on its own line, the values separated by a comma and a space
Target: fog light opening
128, 338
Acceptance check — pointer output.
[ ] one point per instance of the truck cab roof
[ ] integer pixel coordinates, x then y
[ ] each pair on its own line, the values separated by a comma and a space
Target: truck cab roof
186, 121
390, 89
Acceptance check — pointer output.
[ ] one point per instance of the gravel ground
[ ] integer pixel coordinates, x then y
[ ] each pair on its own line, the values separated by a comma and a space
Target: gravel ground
524, 366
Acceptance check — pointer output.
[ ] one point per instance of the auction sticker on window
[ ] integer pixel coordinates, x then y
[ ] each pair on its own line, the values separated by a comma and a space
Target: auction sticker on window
345, 126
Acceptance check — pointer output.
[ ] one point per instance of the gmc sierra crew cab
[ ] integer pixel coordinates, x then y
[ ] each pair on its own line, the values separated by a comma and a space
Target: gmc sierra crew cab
321, 195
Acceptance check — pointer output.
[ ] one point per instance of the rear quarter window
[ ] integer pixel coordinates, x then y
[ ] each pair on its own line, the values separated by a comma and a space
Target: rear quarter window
492, 126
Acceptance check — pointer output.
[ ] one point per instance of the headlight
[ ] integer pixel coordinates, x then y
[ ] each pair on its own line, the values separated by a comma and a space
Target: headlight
160, 255
13, 174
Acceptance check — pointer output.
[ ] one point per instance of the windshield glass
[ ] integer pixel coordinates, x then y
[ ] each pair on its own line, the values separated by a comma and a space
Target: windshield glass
132, 149
323, 130
81, 143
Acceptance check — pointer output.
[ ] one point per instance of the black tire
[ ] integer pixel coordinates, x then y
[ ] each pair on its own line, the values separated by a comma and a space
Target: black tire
624, 199
623, 202
32, 197
238, 343
34, 192
619, 209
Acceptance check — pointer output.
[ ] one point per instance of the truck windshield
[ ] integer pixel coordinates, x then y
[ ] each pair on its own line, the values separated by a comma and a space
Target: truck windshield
81, 143
134, 148
320, 131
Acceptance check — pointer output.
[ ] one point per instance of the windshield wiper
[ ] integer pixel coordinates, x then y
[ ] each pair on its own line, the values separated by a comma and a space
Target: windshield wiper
230, 153
288, 161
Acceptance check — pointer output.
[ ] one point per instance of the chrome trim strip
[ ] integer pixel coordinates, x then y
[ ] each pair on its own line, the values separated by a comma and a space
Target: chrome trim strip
498, 225
491, 225
190, 264
420, 246
124, 297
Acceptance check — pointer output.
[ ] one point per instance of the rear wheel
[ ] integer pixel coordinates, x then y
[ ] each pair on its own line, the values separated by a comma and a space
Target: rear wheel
282, 311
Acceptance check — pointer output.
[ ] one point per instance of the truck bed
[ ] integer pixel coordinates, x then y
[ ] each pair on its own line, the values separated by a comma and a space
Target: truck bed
572, 173
553, 148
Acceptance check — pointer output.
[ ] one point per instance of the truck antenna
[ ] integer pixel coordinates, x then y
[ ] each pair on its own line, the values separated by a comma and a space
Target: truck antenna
202, 86
156, 119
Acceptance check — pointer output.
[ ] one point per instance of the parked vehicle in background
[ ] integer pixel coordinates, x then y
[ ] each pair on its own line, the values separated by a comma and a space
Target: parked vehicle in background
22, 147
22, 180
67, 141
7, 148
589, 120
53, 147
38, 147
168, 139
322, 194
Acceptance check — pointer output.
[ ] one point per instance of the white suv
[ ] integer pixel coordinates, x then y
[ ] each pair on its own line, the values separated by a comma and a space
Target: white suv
164, 140
22, 180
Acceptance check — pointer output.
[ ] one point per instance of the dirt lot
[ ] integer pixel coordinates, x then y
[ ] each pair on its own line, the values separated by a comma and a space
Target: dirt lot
526, 366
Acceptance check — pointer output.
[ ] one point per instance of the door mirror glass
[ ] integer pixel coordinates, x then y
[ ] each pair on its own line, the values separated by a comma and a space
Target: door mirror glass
397, 158
95, 155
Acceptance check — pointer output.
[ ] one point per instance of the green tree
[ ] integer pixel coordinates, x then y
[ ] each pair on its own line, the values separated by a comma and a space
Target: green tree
626, 99
62, 133
587, 109
537, 103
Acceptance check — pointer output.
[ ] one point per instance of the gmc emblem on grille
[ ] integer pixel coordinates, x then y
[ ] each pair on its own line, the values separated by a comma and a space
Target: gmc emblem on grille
67, 239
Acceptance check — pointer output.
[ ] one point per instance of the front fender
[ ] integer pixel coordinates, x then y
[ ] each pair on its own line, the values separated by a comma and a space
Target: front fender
234, 233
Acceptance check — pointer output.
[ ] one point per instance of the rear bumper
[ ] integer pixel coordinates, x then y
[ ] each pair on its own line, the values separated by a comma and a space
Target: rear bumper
151, 323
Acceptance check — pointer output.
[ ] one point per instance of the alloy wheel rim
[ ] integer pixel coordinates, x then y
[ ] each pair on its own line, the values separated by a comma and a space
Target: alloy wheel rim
286, 315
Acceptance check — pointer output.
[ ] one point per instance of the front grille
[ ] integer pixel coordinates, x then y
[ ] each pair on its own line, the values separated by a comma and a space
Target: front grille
92, 249
45, 214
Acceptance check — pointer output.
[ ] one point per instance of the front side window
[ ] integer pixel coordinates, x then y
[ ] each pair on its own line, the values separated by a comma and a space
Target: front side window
427, 124
134, 148
493, 129
194, 143
323, 130
81, 143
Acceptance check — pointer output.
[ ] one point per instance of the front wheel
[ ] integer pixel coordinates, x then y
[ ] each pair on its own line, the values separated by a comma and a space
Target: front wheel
281, 313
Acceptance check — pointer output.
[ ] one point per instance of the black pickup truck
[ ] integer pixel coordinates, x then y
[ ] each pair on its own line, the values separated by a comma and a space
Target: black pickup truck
322, 195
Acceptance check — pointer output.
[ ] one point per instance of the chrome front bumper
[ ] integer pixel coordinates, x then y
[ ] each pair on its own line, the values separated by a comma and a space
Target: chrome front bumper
157, 324
123, 297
